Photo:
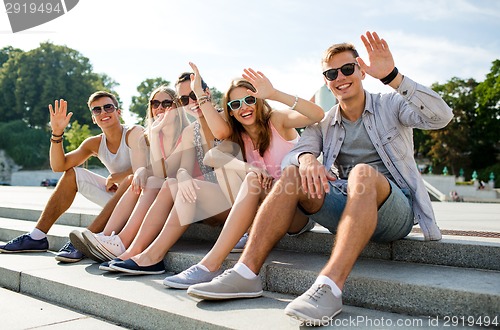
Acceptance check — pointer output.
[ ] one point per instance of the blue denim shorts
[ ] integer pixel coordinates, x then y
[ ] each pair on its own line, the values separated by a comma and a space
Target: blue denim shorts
395, 215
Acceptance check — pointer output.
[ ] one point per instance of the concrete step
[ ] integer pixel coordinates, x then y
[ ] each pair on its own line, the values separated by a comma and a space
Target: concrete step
142, 302
456, 251
37, 314
374, 283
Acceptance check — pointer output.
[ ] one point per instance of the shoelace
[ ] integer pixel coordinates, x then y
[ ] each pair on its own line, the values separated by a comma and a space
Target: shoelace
317, 294
226, 273
67, 247
17, 239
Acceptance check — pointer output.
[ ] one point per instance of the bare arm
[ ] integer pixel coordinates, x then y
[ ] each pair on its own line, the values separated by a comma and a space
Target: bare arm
306, 112
219, 127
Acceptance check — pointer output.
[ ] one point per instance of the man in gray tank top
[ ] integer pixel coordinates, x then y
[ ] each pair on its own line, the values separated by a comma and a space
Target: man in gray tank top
111, 147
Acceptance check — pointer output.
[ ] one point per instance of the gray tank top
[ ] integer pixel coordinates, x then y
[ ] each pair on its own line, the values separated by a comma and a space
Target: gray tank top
118, 162
358, 148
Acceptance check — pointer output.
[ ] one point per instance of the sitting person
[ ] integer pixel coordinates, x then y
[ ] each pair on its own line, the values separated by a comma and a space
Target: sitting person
166, 120
265, 136
111, 147
367, 187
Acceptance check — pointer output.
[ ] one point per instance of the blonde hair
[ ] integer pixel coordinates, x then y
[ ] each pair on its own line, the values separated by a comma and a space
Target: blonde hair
181, 118
337, 49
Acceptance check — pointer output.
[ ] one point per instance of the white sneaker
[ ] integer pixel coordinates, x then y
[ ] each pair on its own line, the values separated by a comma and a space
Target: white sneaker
110, 246
317, 306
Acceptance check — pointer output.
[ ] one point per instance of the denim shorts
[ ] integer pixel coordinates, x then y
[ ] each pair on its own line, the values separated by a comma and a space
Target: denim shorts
395, 215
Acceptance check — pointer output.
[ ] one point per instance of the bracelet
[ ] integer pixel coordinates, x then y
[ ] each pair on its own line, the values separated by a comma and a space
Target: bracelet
54, 135
390, 77
295, 104
203, 97
57, 141
203, 102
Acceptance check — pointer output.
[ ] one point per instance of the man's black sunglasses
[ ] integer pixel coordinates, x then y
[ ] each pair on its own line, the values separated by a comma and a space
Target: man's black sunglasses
346, 69
184, 99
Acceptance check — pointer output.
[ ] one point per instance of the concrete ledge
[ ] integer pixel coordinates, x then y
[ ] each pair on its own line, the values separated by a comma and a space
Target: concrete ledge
470, 252
142, 302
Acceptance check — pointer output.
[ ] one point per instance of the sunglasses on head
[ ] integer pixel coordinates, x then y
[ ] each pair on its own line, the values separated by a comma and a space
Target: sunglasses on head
346, 69
108, 108
236, 104
185, 98
164, 104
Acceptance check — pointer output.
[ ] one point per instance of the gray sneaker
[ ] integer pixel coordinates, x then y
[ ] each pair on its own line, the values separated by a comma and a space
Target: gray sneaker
193, 275
241, 244
229, 285
317, 306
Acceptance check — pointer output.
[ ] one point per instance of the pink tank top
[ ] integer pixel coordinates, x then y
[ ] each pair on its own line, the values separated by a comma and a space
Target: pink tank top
273, 156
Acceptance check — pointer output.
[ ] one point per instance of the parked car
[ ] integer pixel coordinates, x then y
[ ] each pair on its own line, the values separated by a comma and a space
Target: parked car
49, 182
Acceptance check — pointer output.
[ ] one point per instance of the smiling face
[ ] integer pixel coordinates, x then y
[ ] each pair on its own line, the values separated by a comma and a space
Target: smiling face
344, 87
159, 98
246, 114
184, 88
104, 119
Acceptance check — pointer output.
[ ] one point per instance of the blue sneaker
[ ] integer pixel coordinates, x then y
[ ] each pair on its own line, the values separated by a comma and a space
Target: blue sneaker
68, 254
241, 244
25, 243
129, 266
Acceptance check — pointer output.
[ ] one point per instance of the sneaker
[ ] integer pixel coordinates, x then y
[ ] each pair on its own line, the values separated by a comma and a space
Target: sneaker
193, 275
68, 253
80, 244
105, 265
25, 243
229, 285
109, 246
308, 227
129, 266
317, 306
241, 244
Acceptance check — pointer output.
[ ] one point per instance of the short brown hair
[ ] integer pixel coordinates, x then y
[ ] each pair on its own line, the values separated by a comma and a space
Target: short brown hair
337, 49
100, 94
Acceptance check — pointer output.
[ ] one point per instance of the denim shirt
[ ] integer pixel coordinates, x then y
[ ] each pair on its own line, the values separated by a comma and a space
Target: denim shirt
389, 120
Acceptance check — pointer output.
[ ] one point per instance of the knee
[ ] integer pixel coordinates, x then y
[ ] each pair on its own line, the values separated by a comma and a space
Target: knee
363, 179
290, 174
68, 175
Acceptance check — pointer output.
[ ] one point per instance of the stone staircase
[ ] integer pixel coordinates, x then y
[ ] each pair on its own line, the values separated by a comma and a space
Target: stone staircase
407, 283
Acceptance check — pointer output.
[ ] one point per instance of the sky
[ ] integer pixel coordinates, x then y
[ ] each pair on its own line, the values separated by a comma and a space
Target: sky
131, 40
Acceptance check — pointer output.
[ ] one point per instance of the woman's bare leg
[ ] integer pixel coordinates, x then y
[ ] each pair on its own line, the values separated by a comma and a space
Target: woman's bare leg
154, 220
207, 196
148, 196
239, 220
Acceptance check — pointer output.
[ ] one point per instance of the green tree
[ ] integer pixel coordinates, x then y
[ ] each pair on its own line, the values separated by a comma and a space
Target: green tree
139, 105
36, 78
216, 96
76, 135
450, 146
27, 146
8, 52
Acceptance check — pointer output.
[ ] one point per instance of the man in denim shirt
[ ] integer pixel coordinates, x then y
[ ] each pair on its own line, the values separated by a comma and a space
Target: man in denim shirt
368, 187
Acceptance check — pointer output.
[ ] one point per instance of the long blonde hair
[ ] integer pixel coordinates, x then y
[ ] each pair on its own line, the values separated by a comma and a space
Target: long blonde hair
262, 117
181, 118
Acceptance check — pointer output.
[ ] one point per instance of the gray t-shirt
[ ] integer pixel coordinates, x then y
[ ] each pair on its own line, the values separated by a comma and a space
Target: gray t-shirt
358, 148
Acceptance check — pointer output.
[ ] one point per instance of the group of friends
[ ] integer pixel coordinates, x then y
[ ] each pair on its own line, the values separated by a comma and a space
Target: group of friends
352, 171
